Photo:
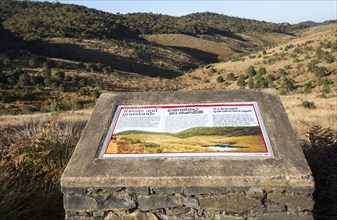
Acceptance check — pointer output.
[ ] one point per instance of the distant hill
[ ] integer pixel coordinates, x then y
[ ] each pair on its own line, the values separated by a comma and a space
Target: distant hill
38, 20
226, 36
309, 23
201, 23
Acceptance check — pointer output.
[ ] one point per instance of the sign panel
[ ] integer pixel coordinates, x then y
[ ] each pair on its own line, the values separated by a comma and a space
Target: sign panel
187, 130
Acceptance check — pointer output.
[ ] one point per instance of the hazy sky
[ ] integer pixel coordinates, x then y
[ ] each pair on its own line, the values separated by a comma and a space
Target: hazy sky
273, 11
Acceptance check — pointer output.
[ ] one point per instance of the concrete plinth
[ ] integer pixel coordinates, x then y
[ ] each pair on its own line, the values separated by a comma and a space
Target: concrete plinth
278, 187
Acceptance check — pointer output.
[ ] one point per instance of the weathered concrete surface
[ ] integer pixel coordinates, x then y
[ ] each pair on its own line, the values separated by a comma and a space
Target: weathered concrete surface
228, 188
288, 168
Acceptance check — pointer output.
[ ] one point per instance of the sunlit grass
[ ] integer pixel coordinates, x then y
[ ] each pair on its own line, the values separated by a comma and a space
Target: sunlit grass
168, 143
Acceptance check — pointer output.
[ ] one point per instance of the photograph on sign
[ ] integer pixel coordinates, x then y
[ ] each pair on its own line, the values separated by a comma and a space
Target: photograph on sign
217, 129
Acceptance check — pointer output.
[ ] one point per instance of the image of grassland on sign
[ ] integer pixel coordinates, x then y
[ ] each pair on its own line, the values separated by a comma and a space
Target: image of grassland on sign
192, 140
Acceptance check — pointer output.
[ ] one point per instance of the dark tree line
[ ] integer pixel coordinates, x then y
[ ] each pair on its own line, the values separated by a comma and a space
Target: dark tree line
38, 20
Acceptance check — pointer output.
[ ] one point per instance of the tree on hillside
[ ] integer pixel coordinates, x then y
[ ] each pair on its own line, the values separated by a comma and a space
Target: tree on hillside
262, 70
220, 79
251, 71
288, 84
241, 81
251, 83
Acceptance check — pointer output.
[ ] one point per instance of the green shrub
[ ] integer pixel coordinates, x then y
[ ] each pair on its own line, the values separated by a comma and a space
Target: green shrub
260, 82
90, 67
262, 70
287, 67
308, 105
251, 83
55, 84
288, 84
15, 73
282, 92
312, 64
319, 53
324, 55
308, 87
47, 81
83, 82
77, 104
250, 71
6, 62
329, 58
58, 106
220, 79
12, 80
82, 91
33, 62
231, 77
326, 89
24, 80
45, 66
270, 79
299, 66
36, 80
241, 81
106, 70
324, 81
211, 71
59, 74
95, 94
320, 71
289, 47
294, 56
68, 78
62, 88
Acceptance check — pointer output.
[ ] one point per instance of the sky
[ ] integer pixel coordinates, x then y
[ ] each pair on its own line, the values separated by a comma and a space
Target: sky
278, 11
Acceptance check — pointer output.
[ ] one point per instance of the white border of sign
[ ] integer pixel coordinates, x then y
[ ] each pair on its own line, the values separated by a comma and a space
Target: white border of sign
269, 152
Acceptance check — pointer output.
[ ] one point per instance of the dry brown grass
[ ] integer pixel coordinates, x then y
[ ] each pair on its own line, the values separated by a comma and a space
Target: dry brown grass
302, 119
33, 156
24, 119
186, 41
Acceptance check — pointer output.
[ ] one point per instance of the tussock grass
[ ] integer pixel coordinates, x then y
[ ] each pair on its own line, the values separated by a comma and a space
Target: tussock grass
33, 157
320, 148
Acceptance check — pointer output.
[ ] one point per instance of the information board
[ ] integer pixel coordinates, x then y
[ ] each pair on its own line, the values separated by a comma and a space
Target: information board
187, 130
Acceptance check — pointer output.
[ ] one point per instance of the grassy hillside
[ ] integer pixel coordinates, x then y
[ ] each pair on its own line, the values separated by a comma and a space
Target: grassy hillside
307, 58
58, 58
219, 131
303, 70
